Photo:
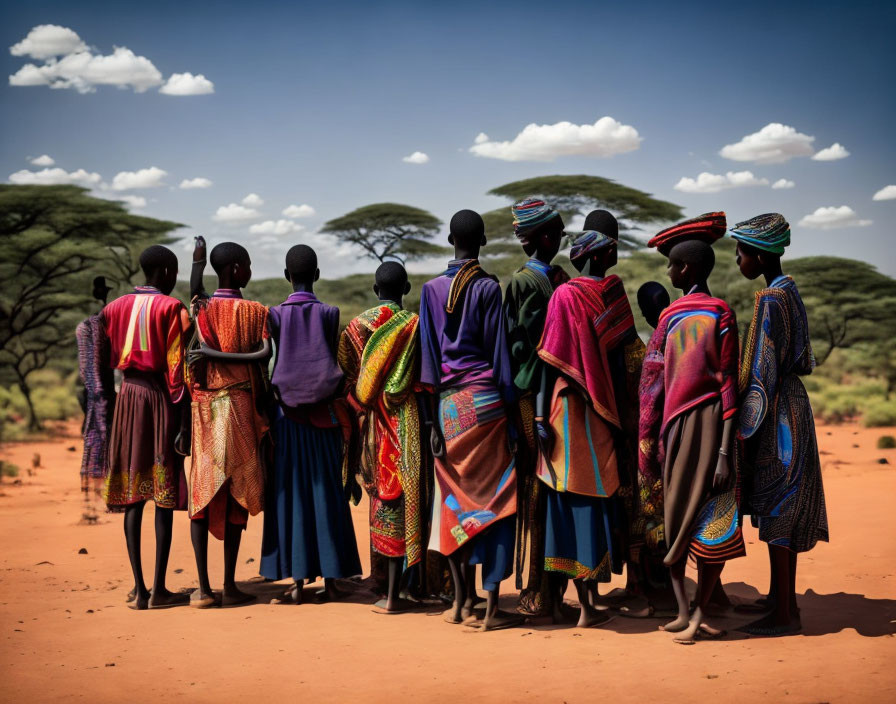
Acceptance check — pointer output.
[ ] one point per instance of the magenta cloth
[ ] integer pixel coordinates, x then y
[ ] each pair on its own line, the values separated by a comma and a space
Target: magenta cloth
469, 345
305, 370
587, 318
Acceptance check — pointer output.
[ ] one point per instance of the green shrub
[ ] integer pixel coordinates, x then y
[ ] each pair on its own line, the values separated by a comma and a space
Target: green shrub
879, 413
886, 442
8, 469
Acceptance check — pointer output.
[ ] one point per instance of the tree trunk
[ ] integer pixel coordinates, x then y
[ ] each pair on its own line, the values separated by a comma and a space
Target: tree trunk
34, 424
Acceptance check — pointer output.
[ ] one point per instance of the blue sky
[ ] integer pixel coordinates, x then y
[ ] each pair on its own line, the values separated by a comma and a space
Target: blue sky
317, 104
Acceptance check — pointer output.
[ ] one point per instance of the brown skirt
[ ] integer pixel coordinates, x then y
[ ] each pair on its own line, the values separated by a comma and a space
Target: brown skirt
692, 451
143, 464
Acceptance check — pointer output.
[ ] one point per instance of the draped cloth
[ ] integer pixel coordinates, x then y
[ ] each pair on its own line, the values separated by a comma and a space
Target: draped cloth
465, 360
96, 375
782, 472
591, 342
378, 353
525, 308
226, 478
690, 364
145, 334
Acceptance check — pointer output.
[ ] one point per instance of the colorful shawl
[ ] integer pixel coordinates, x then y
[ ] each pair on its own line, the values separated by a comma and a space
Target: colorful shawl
228, 427
707, 228
692, 358
586, 319
378, 353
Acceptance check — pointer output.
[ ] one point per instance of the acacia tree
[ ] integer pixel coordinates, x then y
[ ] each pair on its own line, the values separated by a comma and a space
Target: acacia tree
388, 230
53, 240
576, 195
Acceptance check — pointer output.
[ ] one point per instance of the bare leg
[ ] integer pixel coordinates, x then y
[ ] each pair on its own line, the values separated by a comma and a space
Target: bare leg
133, 518
232, 594
199, 537
161, 597
456, 564
676, 572
708, 574
559, 610
588, 615
785, 618
466, 612
394, 602
496, 619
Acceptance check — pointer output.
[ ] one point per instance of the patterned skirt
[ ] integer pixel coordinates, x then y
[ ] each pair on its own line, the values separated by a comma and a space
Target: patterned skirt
697, 521
582, 536
308, 531
785, 493
476, 477
143, 465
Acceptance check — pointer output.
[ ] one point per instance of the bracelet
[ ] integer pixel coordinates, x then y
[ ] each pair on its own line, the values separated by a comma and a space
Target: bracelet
723, 452
539, 419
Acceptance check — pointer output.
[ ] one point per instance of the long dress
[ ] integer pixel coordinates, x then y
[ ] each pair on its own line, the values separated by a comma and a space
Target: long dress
228, 459
378, 352
688, 389
782, 472
464, 358
99, 388
591, 344
145, 332
308, 531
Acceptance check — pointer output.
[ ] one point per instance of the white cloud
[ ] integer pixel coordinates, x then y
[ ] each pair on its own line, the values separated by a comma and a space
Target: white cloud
275, 227
84, 71
198, 182
299, 211
253, 200
783, 183
832, 217
604, 138
43, 160
773, 144
133, 201
57, 176
143, 178
832, 153
234, 212
885, 193
69, 63
416, 158
48, 40
713, 183
187, 84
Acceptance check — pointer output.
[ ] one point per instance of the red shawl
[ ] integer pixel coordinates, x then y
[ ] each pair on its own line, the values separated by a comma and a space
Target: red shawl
586, 319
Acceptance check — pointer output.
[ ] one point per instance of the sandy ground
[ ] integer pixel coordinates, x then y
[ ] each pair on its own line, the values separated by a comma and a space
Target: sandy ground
66, 634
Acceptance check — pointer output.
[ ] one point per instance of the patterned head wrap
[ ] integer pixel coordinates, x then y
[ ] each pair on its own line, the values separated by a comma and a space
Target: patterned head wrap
529, 214
769, 232
589, 242
706, 228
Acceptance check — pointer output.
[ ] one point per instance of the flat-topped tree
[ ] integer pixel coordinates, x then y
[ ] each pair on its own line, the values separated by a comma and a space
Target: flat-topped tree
388, 231
53, 241
579, 194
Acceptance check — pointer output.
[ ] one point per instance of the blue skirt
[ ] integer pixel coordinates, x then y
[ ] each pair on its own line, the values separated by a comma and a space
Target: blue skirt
582, 536
493, 549
308, 530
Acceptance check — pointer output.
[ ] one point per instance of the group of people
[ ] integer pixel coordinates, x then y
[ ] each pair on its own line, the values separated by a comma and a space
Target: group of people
531, 432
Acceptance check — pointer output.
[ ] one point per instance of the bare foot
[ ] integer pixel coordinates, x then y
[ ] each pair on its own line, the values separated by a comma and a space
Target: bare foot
501, 619
293, 595
394, 606
234, 597
771, 628
131, 595
140, 603
165, 599
564, 613
590, 617
203, 600
688, 635
676, 626
453, 615
330, 592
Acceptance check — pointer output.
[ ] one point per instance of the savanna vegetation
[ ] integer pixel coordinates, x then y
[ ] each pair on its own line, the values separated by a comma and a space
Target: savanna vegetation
55, 239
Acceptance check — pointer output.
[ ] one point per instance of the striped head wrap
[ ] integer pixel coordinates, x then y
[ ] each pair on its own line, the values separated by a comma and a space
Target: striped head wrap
769, 232
589, 242
529, 214
708, 228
